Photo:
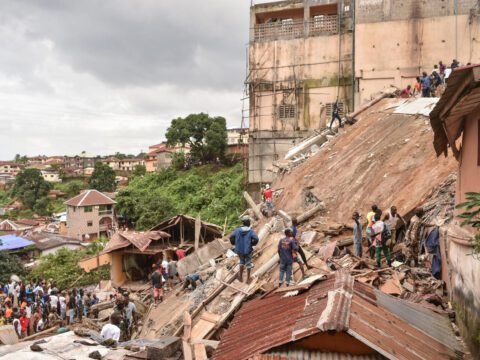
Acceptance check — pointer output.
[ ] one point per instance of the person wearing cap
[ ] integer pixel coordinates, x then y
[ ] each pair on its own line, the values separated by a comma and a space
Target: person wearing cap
157, 283
286, 251
244, 239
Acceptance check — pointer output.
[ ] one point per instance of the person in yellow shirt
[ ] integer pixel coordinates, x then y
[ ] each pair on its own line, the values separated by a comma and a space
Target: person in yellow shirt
370, 223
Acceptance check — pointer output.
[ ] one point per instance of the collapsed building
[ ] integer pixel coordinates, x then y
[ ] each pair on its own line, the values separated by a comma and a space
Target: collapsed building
304, 55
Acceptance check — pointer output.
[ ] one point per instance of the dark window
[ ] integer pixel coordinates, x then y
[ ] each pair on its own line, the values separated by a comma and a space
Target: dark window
88, 208
286, 111
89, 223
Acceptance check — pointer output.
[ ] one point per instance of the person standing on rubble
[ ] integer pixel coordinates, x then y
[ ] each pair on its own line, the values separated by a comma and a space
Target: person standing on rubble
370, 216
268, 197
379, 241
412, 237
130, 314
302, 259
391, 219
357, 234
244, 239
286, 251
157, 283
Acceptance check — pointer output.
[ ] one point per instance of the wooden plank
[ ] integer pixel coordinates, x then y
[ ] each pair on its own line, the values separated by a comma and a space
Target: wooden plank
234, 288
200, 352
187, 326
198, 227
8, 336
252, 204
202, 328
208, 316
187, 351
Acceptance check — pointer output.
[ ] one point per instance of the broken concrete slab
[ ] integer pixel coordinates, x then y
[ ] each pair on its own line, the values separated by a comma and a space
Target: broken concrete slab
308, 237
165, 347
390, 287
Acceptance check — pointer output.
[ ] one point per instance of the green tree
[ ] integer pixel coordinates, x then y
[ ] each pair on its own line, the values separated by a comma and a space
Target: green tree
139, 170
179, 160
63, 267
206, 136
471, 217
10, 264
120, 156
30, 187
103, 178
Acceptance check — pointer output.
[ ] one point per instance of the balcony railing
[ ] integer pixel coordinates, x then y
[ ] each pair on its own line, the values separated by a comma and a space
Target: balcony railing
105, 212
279, 30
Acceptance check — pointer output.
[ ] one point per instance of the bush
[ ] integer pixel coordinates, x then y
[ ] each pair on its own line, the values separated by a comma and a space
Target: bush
213, 192
10, 264
471, 217
63, 267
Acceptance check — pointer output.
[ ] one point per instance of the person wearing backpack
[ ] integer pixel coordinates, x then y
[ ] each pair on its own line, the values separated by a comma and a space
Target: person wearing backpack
244, 239
380, 235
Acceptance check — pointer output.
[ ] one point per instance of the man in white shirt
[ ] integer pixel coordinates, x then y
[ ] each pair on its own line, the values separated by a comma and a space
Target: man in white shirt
111, 331
54, 301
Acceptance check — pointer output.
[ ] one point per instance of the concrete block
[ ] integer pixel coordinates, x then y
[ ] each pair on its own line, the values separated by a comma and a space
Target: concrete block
308, 237
165, 347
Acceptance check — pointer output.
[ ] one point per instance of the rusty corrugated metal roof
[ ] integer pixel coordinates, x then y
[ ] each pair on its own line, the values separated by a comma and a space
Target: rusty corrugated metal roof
460, 98
304, 354
141, 240
336, 314
267, 323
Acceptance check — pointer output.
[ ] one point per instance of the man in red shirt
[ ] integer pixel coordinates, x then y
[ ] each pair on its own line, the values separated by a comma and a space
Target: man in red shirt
24, 322
180, 253
268, 197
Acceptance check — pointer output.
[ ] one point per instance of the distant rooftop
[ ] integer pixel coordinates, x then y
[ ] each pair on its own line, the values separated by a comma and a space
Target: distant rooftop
90, 198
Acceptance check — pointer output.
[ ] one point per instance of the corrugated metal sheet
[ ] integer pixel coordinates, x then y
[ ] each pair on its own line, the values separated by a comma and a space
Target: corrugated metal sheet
436, 325
301, 354
418, 106
392, 336
141, 240
12, 242
268, 323
336, 314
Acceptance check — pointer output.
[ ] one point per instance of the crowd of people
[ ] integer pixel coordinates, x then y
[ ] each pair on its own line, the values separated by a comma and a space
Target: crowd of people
36, 305
382, 234
431, 84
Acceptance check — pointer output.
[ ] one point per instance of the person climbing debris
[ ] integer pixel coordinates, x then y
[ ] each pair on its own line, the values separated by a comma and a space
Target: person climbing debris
191, 281
380, 236
357, 234
412, 237
268, 197
302, 259
286, 248
370, 216
244, 239
336, 115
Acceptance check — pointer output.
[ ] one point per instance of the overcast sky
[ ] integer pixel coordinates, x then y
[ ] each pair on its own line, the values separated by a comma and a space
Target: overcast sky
106, 76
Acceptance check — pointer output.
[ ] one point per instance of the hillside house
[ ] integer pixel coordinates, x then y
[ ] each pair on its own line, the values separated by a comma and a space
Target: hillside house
132, 253
10, 168
456, 125
90, 215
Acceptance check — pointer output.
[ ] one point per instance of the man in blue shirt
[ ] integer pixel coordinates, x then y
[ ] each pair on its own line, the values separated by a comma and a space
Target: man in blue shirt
244, 238
426, 85
286, 248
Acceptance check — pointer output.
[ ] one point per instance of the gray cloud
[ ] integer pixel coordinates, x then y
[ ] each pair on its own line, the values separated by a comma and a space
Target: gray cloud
109, 75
